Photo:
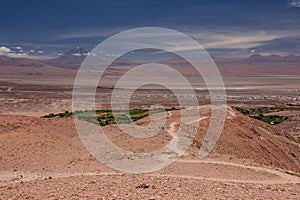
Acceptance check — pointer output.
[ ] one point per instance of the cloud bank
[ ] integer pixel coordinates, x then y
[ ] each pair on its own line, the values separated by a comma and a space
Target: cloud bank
17, 53
294, 3
4, 50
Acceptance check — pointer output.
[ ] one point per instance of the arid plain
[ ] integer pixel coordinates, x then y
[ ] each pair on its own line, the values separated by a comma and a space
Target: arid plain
43, 158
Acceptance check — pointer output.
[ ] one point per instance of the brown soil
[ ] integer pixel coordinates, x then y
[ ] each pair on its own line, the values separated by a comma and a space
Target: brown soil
45, 159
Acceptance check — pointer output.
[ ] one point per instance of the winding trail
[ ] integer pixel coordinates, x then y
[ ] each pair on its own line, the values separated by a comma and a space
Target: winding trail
172, 129
197, 120
8, 177
286, 177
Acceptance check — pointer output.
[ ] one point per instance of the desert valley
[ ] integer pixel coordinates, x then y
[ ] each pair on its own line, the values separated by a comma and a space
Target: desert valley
254, 157
150, 100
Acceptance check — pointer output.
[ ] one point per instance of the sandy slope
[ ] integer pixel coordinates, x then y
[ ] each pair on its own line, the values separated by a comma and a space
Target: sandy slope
44, 158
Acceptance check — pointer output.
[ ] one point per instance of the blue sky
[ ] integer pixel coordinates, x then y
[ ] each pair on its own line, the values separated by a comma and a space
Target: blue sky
46, 28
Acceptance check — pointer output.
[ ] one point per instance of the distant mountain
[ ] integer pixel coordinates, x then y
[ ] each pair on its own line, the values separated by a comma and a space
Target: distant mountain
70, 60
292, 58
256, 58
272, 58
20, 62
255, 65
259, 65
29, 67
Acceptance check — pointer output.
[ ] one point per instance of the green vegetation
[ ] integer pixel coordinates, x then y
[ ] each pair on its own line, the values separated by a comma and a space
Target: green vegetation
65, 114
258, 113
272, 119
243, 111
107, 117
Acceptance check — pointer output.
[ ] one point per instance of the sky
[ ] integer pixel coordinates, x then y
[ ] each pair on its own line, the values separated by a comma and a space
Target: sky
226, 28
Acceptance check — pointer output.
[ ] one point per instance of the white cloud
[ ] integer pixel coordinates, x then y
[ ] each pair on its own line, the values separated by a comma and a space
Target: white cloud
17, 55
88, 33
40, 52
76, 54
32, 51
79, 54
60, 54
294, 3
210, 39
19, 48
234, 39
4, 50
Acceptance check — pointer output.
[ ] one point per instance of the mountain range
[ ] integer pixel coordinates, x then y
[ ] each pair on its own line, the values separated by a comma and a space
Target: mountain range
256, 64
69, 60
